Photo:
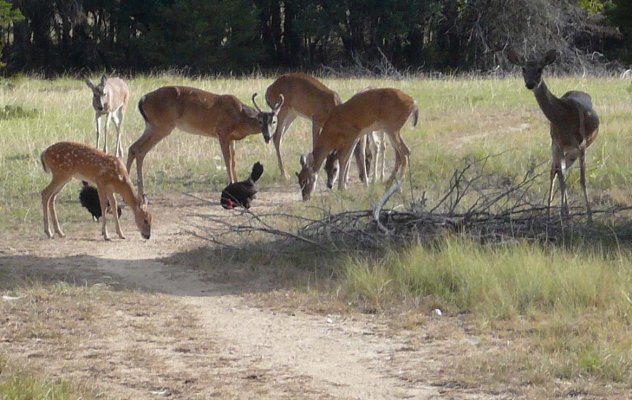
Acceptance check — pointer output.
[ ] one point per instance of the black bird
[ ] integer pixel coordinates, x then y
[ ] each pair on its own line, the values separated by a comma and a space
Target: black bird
89, 198
240, 194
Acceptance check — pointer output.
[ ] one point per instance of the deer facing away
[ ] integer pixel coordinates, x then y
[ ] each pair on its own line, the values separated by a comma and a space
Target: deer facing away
574, 124
109, 100
67, 160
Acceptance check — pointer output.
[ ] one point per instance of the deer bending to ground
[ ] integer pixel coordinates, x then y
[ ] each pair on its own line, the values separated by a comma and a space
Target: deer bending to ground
574, 125
201, 113
307, 97
384, 110
66, 160
109, 100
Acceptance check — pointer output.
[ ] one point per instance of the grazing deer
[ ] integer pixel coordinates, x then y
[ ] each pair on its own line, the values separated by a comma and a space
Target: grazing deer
307, 97
372, 110
201, 113
67, 160
109, 100
574, 124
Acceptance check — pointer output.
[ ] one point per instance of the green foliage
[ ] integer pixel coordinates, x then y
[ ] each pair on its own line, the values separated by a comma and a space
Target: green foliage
503, 282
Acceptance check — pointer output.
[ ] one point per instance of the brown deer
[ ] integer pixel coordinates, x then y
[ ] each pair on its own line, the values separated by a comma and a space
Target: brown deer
109, 100
574, 124
67, 160
372, 110
307, 97
201, 113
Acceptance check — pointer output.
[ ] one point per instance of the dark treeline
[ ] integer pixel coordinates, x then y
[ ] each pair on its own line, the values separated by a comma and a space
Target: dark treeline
234, 36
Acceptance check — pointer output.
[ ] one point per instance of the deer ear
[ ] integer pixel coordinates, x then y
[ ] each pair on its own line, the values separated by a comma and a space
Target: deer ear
277, 108
90, 84
104, 78
250, 112
514, 57
303, 160
550, 57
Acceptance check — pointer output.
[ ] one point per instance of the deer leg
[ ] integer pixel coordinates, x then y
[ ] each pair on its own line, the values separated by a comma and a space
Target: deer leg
108, 117
103, 200
401, 155
139, 149
360, 156
376, 153
344, 161
562, 181
118, 116
554, 169
113, 206
97, 120
49, 195
582, 180
232, 160
381, 150
285, 119
225, 146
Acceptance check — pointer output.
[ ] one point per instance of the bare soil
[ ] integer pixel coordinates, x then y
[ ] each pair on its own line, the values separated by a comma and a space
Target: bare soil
168, 318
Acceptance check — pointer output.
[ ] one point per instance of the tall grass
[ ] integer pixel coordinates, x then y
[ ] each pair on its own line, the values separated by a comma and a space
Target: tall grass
496, 282
578, 301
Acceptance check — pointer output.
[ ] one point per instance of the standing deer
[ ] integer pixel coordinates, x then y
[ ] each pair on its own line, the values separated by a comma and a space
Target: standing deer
574, 124
201, 113
109, 100
372, 110
66, 160
307, 97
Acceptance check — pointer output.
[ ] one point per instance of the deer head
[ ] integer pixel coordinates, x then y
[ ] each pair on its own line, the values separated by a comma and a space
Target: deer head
307, 178
332, 168
142, 217
268, 120
532, 69
100, 96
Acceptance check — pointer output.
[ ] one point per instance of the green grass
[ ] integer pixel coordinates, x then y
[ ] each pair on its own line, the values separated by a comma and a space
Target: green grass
573, 305
459, 118
21, 384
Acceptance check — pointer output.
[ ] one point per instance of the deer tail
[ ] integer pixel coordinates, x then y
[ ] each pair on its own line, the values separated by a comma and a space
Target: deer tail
415, 114
140, 108
44, 163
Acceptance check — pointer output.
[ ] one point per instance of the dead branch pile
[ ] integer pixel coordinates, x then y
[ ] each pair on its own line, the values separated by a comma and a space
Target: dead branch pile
480, 205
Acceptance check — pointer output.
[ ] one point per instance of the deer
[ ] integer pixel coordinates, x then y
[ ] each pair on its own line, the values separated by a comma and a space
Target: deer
202, 113
369, 148
109, 100
574, 125
384, 110
307, 97
67, 160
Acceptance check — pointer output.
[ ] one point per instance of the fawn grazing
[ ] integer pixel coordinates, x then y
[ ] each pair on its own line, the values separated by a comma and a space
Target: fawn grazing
67, 160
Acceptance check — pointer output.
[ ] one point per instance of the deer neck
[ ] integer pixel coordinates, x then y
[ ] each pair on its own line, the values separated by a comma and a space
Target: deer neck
128, 195
320, 155
550, 104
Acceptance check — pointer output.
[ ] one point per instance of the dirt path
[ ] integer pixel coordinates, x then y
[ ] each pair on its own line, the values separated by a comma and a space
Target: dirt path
320, 356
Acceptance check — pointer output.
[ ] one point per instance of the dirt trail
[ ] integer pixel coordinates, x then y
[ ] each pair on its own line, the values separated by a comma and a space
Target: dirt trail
332, 356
